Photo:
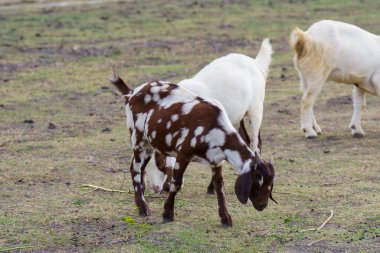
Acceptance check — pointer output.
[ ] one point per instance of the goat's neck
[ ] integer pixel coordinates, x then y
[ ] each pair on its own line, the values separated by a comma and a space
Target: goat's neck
237, 153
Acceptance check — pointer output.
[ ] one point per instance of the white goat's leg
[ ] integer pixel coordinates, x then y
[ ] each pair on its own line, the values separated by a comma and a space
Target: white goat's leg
255, 116
307, 115
310, 84
375, 81
359, 100
316, 127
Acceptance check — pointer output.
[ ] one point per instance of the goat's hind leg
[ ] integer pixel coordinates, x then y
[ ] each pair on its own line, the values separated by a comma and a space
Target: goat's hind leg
316, 127
359, 101
225, 217
311, 85
308, 123
139, 162
210, 187
175, 186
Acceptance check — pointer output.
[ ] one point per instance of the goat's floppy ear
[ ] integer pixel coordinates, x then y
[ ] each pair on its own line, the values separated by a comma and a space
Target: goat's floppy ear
243, 186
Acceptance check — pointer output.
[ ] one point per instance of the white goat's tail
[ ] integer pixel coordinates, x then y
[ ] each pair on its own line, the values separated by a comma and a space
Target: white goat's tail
264, 57
298, 41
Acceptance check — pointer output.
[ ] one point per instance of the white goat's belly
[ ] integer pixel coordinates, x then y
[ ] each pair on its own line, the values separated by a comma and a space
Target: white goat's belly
354, 79
340, 76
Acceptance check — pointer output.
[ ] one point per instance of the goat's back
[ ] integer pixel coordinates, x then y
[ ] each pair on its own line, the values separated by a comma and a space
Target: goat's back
348, 44
169, 117
234, 80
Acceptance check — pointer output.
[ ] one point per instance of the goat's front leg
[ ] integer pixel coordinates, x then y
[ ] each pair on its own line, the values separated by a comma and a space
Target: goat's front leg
255, 116
225, 217
175, 185
210, 187
358, 96
139, 162
245, 136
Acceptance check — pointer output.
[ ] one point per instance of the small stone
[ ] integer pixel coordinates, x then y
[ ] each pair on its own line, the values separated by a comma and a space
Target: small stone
106, 130
52, 126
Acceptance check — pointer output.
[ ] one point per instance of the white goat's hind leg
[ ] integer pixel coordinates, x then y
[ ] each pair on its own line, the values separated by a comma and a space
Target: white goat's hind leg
316, 127
307, 115
375, 80
359, 100
304, 88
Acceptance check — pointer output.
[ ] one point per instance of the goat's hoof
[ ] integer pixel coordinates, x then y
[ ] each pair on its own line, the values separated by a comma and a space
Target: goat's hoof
318, 130
144, 210
226, 221
310, 133
358, 135
144, 213
166, 187
210, 191
167, 218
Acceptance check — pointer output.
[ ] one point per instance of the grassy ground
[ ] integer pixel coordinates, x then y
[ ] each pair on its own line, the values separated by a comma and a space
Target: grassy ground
62, 125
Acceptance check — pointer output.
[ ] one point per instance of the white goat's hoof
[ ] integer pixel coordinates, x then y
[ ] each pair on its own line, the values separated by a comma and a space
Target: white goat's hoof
318, 130
310, 134
358, 135
356, 132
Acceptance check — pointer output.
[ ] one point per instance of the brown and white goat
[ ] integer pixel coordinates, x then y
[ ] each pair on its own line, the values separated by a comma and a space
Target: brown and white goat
170, 120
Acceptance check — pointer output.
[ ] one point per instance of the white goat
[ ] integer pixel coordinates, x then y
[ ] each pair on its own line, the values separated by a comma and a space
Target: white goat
237, 82
332, 50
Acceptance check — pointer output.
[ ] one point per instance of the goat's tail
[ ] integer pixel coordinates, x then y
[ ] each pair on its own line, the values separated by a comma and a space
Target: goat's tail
264, 57
298, 41
118, 82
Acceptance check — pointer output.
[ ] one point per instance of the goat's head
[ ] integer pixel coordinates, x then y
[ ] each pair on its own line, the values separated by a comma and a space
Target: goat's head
257, 184
156, 178
161, 172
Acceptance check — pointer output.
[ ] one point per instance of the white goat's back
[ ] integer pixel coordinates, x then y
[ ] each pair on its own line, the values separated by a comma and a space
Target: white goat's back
348, 44
235, 80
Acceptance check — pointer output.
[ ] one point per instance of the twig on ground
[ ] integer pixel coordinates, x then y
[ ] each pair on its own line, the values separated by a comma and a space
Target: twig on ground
19, 248
321, 226
101, 188
282, 192
315, 242
95, 187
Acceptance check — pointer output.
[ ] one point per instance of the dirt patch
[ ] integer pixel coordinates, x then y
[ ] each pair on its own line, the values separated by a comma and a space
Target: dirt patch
221, 44
344, 100
11, 67
50, 55
91, 232
75, 50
